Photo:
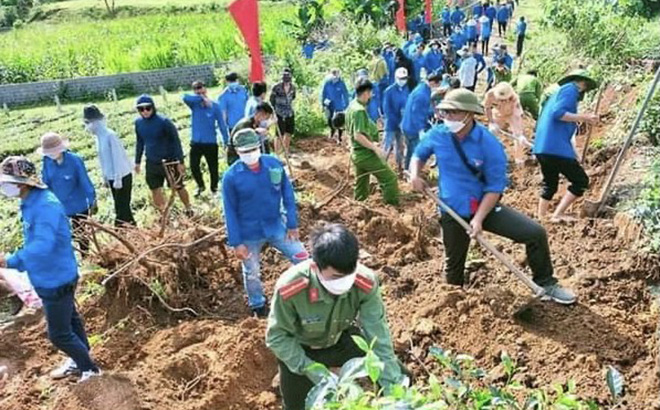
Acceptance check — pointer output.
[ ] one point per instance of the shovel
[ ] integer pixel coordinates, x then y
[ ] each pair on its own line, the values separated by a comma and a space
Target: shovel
591, 128
538, 291
593, 209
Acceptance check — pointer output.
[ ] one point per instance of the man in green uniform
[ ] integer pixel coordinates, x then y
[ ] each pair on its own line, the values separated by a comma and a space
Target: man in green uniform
368, 158
529, 89
315, 306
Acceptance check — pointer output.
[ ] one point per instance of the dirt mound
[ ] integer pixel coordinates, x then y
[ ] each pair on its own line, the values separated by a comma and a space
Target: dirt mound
100, 393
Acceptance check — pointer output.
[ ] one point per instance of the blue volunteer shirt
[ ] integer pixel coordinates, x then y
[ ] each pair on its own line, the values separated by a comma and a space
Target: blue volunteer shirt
391, 66
481, 62
471, 31
446, 16
458, 187
232, 103
485, 29
47, 253
521, 28
553, 136
417, 111
69, 182
205, 121
394, 102
457, 16
434, 62
503, 14
477, 10
159, 137
337, 93
491, 12
252, 201
418, 63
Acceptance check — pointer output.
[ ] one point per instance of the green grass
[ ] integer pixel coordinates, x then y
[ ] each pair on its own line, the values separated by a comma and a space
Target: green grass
84, 4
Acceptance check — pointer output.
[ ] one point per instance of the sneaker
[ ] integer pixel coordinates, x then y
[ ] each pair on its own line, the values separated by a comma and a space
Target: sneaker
89, 374
67, 369
559, 294
260, 312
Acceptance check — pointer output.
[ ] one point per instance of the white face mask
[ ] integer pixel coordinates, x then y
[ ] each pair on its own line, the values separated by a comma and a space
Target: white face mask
455, 126
250, 158
92, 127
338, 286
54, 157
401, 82
10, 190
264, 123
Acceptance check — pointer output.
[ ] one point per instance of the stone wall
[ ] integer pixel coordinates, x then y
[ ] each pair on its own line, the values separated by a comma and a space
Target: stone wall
82, 87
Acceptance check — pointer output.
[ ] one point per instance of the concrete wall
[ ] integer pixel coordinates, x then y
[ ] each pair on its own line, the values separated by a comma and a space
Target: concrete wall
79, 88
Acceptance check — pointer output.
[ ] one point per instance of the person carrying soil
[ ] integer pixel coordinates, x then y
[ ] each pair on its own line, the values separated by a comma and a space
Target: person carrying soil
394, 104
158, 139
66, 176
334, 100
418, 112
530, 90
259, 122
554, 144
281, 98
254, 190
315, 307
368, 159
116, 167
206, 119
232, 101
472, 177
48, 258
504, 112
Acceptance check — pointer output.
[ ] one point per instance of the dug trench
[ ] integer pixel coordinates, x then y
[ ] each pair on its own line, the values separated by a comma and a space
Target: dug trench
158, 357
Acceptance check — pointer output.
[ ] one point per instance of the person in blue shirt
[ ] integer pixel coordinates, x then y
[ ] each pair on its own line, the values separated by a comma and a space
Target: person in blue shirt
504, 54
481, 62
521, 30
66, 175
446, 21
484, 34
258, 96
471, 31
207, 119
491, 13
417, 113
334, 100
389, 56
472, 177
553, 145
375, 102
232, 102
158, 138
255, 189
48, 258
394, 103
477, 10
434, 60
418, 60
116, 167
457, 17
503, 16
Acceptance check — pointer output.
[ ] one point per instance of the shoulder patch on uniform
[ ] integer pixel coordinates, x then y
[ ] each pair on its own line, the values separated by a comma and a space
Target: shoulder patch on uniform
364, 283
293, 288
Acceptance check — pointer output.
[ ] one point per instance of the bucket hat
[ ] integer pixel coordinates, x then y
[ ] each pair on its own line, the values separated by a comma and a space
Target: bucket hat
579, 75
20, 170
462, 100
503, 91
246, 140
52, 144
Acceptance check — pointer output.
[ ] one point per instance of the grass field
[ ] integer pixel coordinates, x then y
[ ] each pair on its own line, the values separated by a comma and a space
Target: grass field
84, 4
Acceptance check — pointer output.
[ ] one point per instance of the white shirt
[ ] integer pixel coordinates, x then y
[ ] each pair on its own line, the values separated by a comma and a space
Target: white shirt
467, 71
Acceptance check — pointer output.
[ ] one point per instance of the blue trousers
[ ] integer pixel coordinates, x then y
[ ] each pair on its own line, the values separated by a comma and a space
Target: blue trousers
393, 141
411, 144
65, 327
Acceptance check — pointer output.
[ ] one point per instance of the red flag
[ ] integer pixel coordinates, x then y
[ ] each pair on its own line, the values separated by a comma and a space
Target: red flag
246, 15
429, 11
401, 16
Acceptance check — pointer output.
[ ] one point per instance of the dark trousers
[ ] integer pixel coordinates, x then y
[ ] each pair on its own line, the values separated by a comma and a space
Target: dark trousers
334, 130
484, 45
519, 44
411, 143
65, 327
294, 387
552, 166
79, 230
502, 221
501, 27
122, 198
446, 29
210, 154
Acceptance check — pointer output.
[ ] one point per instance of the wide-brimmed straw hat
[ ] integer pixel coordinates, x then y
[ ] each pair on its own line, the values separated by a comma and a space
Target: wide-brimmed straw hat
52, 144
503, 91
462, 100
20, 170
579, 75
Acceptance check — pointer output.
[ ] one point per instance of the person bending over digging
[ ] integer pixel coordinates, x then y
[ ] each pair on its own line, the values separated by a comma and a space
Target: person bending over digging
316, 306
472, 177
254, 189
554, 144
158, 138
47, 257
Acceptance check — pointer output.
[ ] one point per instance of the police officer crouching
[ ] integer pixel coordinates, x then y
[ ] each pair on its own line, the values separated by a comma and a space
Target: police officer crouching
317, 307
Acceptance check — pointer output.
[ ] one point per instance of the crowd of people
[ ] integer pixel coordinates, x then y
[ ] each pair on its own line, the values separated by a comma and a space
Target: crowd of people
416, 101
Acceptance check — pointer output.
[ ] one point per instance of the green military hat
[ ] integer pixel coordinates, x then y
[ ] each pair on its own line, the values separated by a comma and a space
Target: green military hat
462, 100
579, 75
245, 140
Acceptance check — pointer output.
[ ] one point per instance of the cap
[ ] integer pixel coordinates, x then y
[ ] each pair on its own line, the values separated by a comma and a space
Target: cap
401, 73
245, 140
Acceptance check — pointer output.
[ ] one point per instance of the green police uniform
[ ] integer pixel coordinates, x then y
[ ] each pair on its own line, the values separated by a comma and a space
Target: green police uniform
367, 162
307, 324
530, 90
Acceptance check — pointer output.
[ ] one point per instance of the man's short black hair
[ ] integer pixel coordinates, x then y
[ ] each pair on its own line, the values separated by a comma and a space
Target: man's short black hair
436, 78
196, 85
334, 246
265, 108
259, 88
362, 85
231, 77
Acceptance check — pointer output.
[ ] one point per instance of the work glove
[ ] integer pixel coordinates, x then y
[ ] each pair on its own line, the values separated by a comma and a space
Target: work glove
494, 128
326, 102
318, 372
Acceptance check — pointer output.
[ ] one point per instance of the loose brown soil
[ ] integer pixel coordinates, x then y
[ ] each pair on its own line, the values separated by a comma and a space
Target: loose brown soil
158, 359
